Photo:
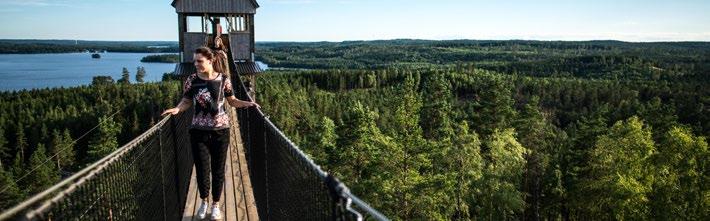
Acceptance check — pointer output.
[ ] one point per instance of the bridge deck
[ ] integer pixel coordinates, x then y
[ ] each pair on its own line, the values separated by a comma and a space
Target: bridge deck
238, 199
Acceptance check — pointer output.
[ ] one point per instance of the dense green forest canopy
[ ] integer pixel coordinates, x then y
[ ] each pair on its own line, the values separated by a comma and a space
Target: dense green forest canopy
162, 58
585, 59
501, 130
441, 144
39, 123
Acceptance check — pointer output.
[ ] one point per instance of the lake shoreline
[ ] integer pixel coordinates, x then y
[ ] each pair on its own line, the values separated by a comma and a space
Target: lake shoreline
54, 70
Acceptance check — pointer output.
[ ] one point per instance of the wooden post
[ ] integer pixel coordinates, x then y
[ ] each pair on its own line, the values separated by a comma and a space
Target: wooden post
251, 29
252, 89
181, 35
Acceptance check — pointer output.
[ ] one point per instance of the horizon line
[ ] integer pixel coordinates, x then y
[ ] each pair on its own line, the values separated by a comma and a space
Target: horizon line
391, 39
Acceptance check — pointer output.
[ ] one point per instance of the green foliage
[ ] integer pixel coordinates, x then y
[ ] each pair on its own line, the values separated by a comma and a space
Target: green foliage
63, 147
361, 154
4, 149
586, 59
324, 144
455, 177
620, 172
162, 58
102, 80
104, 141
680, 188
44, 172
8, 46
125, 77
140, 74
409, 165
436, 93
537, 135
501, 196
21, 142
10, 193
54, 118
465, 166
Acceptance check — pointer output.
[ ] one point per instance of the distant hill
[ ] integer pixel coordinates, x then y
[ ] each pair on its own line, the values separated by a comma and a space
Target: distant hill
12, 46
605, 59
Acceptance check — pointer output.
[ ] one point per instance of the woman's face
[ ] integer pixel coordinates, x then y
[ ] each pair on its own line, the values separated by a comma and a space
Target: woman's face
202, 63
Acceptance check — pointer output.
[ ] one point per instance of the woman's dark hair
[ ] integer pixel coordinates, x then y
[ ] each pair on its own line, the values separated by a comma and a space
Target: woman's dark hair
218, 58
206, 52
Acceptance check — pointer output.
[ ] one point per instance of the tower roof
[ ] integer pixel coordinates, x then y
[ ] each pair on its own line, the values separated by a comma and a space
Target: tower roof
215, 6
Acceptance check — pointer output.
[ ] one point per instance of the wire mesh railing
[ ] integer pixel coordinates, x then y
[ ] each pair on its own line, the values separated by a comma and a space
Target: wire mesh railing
146, 179
287, 184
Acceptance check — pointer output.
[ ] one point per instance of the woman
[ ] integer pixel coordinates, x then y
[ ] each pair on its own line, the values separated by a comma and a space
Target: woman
220, 63
209, 131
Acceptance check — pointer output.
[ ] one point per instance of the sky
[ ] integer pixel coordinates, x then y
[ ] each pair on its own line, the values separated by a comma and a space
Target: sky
339, 20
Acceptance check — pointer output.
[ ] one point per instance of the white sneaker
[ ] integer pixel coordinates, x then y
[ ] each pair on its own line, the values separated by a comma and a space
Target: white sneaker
202, 212
216, 213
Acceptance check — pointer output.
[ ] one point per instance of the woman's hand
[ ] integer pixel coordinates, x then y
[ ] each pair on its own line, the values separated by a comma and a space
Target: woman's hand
171, 111
253, 104
234, 102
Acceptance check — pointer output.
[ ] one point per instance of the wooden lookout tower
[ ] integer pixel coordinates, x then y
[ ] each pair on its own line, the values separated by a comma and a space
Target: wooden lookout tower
198, 22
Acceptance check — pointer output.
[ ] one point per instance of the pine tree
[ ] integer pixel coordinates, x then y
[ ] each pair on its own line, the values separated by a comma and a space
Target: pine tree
492, 107
465, 166
43, 134
575, 159
18, 166
681, 190
4, 150
63, 148
135, 124
501, 196
661, 117
140, 74
125, 77
534, 132
325, 142
621, 174
10, 193
409, 162
104, 140
45, 174
21, 142
361, 159
436, 94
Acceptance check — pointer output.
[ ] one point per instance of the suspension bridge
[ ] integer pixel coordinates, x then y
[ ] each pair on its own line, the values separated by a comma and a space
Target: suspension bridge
152, 177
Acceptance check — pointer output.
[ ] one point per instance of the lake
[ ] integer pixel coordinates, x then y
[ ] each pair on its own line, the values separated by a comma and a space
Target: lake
27, 71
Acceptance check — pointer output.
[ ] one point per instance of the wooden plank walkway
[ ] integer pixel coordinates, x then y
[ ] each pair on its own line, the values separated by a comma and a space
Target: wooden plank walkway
237, 202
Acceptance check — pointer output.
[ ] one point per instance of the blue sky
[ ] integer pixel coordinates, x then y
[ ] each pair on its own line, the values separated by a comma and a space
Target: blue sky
337, 20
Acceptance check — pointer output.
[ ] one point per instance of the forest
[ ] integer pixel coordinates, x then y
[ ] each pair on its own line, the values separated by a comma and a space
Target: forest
505, 131
8, 46
435, 130
72, 127
162, 58
585, 59
470, 144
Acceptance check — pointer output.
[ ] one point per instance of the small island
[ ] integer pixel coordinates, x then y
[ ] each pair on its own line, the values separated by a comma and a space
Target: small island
163, 58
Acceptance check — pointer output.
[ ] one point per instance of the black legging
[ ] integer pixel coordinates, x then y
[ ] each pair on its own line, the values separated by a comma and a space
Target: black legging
209, 149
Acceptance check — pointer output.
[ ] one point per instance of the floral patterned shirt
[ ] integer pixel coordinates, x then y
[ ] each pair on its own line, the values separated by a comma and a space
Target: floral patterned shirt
210, 113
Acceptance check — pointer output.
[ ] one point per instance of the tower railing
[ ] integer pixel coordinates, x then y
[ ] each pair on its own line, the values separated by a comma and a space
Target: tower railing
287, 184
146, 179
